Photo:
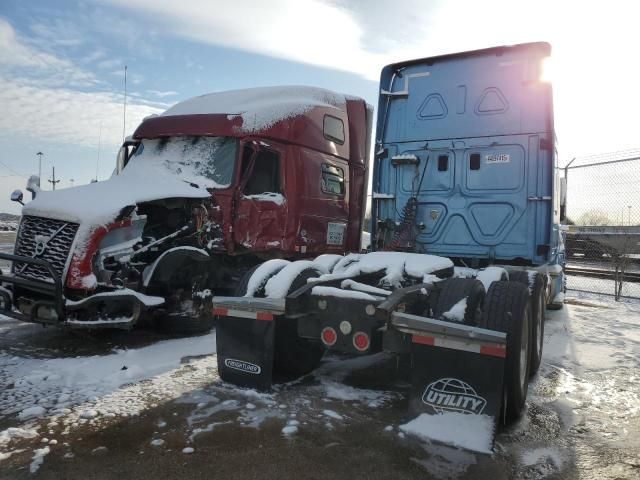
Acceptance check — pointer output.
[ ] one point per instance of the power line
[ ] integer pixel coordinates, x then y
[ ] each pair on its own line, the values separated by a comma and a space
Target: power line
12, 171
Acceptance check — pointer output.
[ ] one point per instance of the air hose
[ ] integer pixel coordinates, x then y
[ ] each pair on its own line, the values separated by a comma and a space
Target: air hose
403, 236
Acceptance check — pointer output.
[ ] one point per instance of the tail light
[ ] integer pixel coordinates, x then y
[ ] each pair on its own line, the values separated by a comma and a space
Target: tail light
329, 336
361, 341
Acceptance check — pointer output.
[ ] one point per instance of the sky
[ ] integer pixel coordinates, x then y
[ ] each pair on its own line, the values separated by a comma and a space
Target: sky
62, 64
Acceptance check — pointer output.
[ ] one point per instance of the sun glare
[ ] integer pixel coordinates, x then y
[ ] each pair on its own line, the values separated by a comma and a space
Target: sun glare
547, 70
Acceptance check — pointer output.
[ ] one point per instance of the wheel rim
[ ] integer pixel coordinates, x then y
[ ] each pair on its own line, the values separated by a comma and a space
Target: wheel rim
524, 350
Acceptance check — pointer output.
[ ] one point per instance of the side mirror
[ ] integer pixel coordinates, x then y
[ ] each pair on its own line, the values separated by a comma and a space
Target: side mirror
17, 196
33, 185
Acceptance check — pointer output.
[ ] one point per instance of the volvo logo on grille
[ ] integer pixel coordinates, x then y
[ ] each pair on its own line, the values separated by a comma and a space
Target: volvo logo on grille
453, 395
41, 246
243, 366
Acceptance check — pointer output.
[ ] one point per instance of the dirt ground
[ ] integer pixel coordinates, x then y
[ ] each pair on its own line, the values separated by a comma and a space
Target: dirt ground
342, 421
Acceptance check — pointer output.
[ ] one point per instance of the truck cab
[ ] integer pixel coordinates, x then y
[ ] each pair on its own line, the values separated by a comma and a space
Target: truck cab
201, 194
469, 137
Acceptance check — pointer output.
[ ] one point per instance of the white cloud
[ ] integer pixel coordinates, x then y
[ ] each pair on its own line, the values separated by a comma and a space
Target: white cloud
169, 93
110, 63
67, 116
307, 31
14, 52
24, 60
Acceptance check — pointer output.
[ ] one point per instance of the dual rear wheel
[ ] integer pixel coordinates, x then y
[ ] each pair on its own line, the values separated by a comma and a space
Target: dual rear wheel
292, 353
510, 307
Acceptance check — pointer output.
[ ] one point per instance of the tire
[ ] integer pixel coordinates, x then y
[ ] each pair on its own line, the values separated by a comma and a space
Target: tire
241, 287
170, 320
184, 324
538, 305
455, 289
508, 309
293, 354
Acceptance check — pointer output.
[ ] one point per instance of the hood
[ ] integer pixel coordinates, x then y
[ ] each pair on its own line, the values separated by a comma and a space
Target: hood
100, 203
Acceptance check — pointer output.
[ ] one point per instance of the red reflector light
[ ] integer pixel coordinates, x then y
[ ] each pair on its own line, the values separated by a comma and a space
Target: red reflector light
329, 336
361, 341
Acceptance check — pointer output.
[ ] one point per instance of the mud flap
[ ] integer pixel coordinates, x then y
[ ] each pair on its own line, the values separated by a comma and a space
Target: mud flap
455, 367
245, 335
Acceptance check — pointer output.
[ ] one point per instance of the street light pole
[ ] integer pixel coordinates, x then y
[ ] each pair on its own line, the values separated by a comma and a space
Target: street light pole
629, 207
39, 154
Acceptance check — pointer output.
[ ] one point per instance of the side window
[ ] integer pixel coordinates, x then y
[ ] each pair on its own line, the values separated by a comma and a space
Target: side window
332, 179
333, 129
265, 177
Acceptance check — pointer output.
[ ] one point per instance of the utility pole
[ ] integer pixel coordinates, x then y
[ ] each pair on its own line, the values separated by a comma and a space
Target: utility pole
53, 181
39, 154
629, 206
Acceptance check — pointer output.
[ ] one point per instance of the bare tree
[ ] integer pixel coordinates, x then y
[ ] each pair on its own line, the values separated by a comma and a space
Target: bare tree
594, 217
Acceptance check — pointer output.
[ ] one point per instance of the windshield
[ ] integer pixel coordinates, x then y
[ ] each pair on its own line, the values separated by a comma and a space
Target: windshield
206, 161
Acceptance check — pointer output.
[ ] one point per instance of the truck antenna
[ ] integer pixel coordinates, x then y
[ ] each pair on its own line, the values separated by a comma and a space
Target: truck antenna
124, 112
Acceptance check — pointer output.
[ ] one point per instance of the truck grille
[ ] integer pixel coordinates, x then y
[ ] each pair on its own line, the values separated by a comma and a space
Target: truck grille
46, 239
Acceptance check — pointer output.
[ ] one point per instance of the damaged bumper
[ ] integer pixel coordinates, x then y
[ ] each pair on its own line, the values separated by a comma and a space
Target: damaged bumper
43, 301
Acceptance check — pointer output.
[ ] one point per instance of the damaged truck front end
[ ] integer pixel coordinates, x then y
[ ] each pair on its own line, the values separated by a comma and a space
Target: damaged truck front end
112, 275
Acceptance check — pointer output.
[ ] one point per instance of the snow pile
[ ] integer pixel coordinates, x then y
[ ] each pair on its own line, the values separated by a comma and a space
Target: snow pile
538, 455
491, 274
473, 432
100, 203
395, 265
457, 312
11, 433
278, 285
38, 458
337, 292
260, 108
146, 300
363, 287
327, 261
265, 271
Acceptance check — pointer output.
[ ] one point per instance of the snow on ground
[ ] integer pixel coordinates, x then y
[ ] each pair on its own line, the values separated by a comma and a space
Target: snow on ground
583, 407
52, 396
473, 432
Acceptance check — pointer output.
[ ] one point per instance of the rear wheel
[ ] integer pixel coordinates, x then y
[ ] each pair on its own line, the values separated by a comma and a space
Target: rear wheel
508, 309
452, 291
294, 354
535, 284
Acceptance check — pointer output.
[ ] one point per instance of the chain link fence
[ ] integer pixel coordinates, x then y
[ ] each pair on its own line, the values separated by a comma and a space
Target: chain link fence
603, 214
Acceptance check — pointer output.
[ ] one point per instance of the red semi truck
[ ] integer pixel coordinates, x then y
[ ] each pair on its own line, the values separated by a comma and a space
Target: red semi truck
202, 193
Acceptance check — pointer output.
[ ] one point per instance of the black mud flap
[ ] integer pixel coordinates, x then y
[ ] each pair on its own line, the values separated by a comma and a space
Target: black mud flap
455, 367
245, 335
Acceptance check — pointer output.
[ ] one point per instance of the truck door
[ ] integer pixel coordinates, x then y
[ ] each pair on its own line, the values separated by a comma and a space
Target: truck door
260, 206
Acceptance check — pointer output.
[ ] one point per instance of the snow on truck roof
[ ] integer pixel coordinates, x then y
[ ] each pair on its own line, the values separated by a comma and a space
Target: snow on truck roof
260, 108
292, 114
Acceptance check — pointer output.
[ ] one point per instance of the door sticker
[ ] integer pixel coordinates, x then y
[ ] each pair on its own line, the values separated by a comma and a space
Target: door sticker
335, 233
498, 158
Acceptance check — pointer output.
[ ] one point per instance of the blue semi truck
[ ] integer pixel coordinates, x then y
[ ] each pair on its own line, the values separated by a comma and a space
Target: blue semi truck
467, 251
